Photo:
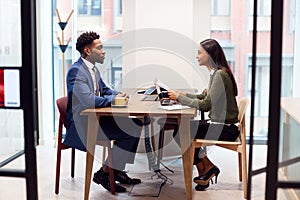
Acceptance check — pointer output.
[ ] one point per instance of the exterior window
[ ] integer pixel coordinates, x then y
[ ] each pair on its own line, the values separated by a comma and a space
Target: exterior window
96, 7
82, 7
220, 7
292, 15
89, 7
263, 7
262, 89
120, 7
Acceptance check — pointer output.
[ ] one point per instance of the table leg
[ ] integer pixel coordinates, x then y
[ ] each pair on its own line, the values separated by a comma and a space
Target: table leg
92, 132
187, 160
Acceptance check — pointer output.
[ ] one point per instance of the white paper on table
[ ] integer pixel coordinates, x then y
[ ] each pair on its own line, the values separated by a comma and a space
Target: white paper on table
175, 107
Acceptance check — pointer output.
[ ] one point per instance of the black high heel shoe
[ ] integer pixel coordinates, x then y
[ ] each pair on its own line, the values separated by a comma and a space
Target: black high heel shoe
201, 187
205, 178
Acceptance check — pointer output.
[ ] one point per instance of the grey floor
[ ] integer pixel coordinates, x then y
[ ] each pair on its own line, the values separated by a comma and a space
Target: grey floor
228, 186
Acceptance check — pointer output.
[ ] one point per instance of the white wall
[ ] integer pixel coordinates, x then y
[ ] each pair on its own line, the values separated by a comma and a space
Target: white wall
160, 40
44, 65
296, 88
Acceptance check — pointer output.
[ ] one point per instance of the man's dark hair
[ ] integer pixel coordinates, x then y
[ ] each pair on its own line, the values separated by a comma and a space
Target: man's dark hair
85, 39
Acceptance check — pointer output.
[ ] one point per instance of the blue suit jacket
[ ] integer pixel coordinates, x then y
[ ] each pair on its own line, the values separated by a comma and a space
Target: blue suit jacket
81, 96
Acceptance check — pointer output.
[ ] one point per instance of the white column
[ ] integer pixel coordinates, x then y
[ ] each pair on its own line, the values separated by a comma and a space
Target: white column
160, 40
296, 80
44, 65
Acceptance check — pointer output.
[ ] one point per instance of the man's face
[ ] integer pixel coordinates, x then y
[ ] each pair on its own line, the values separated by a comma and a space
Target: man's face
95, 52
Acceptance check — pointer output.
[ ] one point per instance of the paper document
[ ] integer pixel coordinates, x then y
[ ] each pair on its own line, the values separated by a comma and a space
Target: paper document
175, 107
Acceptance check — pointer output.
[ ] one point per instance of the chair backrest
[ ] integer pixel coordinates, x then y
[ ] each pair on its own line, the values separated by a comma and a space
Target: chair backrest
242, 106
62, 108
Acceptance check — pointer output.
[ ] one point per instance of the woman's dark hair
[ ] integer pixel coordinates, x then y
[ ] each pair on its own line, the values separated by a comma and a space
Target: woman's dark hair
85, 39
215, 51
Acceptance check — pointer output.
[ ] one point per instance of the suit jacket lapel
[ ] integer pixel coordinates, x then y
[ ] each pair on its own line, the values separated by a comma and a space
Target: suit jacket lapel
88, 74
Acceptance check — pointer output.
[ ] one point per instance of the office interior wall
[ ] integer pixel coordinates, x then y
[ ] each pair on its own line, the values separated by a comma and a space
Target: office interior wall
44, 65
160, 40
296, 88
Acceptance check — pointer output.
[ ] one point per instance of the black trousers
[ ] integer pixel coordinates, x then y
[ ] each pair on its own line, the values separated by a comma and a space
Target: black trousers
126, 132
203, 130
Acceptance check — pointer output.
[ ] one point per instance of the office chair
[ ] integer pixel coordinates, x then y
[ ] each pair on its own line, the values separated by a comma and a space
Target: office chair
62, 107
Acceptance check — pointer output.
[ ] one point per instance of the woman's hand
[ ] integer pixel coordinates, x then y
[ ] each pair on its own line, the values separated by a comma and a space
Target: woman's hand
173, 95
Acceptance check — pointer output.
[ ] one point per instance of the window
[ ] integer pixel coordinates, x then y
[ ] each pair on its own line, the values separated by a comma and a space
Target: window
120, 7
89, 7
292, 15
263, 7
262, 88
96, 7
220, 7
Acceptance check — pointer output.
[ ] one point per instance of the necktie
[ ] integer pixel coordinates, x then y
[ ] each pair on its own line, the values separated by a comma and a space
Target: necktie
96, 82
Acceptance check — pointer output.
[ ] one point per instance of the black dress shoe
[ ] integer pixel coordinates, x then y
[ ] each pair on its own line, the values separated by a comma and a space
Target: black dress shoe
100, 177
205, 178
123, 178
201, 187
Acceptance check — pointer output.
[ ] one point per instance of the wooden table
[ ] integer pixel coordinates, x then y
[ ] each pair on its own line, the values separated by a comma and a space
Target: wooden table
136, 107
291, 106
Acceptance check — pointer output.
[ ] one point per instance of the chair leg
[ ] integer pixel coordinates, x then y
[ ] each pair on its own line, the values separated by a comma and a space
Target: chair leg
244, 160
103, 154
111, 171
72, 162
58, 159
240, 167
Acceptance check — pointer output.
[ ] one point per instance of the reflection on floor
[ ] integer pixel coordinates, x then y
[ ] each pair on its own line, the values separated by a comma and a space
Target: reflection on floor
228, 186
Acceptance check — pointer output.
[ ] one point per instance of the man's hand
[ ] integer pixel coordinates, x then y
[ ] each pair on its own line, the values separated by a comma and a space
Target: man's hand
122, 94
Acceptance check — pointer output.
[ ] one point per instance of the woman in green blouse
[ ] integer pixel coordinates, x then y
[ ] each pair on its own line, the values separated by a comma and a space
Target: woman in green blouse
219, 100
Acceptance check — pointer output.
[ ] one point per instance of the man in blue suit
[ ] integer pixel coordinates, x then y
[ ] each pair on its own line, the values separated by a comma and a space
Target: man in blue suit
86, 89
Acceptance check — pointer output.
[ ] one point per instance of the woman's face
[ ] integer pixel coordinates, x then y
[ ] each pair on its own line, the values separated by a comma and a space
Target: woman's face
202, 56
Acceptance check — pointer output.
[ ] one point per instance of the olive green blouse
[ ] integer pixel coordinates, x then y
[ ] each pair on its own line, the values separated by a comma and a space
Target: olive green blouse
219, 100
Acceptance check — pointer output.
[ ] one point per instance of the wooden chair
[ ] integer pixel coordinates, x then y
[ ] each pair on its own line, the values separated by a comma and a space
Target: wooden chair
239, 145
62, 107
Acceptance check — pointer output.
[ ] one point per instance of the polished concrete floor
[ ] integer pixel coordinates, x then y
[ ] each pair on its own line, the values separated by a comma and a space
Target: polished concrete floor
228, 186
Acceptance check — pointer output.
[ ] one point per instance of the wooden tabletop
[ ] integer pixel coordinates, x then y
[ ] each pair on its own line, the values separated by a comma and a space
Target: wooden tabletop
137, 107
292, 107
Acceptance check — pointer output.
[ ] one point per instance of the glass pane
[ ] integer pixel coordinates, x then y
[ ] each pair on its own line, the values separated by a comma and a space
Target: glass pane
96, 7
220, 7
11, 123
88, 16
10, 33
82, 7
290, 93
12, 132
9, 88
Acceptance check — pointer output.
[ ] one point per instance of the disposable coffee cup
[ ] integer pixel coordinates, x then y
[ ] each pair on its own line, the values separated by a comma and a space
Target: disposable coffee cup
121, 101
164, 94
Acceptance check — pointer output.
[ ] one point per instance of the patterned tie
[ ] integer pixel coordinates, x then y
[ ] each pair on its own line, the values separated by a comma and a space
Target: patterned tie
97, 92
